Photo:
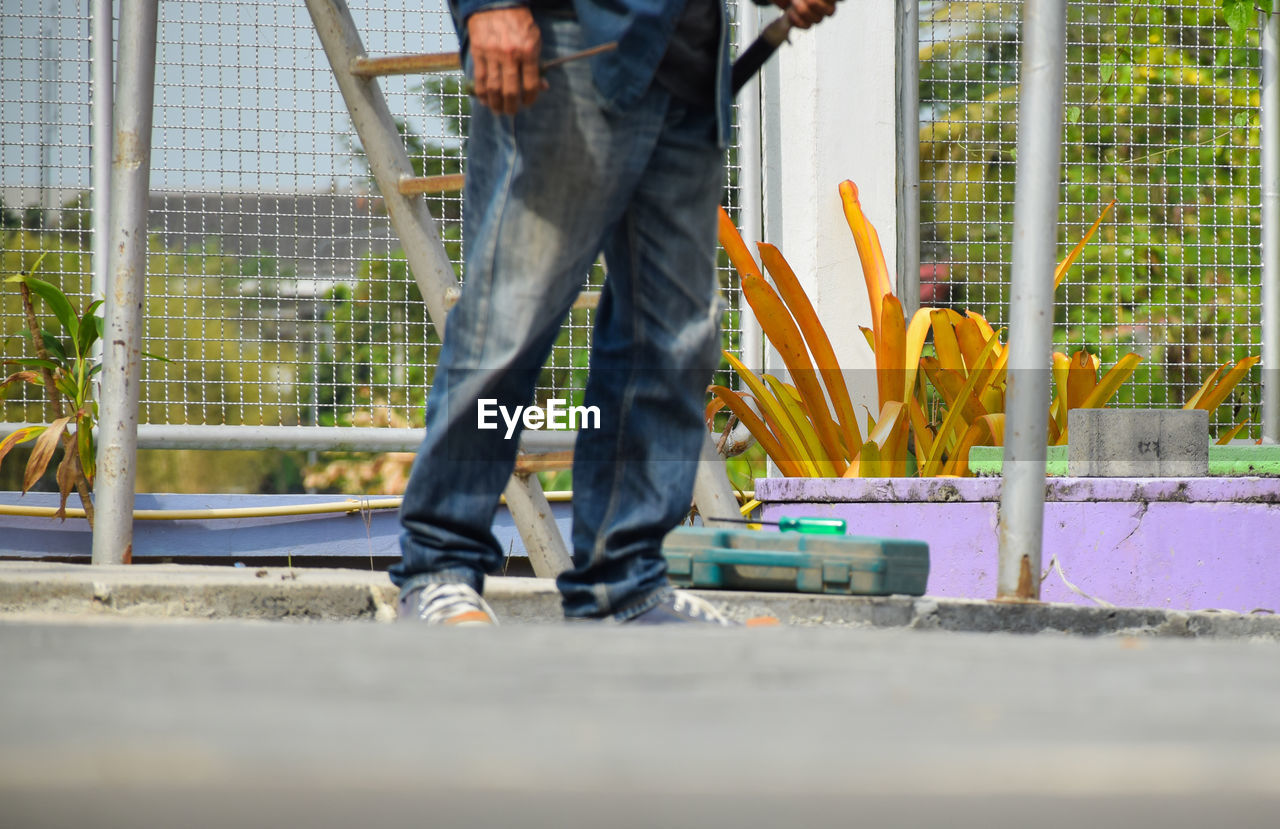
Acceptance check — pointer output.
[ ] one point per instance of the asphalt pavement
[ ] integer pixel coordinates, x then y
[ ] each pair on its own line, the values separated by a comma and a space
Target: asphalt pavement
111, 722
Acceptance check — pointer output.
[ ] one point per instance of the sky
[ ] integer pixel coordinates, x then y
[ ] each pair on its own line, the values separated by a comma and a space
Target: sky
245, 101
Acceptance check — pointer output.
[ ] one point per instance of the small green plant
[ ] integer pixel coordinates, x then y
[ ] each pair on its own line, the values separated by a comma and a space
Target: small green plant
64, 366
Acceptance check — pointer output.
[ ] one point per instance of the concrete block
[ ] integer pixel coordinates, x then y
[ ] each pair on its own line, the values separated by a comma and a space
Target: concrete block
1138, 443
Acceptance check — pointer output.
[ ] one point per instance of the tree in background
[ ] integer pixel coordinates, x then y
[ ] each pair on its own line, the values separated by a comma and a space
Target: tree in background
1161, 116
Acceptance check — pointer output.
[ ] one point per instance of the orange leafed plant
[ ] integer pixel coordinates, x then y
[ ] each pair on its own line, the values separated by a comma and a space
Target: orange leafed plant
931, 408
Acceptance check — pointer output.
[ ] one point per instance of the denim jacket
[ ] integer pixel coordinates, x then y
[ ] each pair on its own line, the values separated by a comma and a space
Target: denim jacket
642, 29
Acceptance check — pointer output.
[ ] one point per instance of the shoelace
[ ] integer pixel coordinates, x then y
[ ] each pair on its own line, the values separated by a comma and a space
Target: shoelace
696, 606
441, 602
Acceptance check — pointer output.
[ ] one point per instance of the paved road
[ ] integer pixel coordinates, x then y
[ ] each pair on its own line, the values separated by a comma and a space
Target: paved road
258, 724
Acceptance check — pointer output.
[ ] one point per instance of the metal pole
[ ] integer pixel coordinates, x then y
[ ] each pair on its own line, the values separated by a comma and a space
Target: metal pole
749, 180
1035, 226
100, 58
1269, 140
122, 342
907, 81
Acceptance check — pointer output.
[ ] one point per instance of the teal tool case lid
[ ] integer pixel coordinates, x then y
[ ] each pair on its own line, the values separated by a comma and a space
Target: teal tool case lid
771, 560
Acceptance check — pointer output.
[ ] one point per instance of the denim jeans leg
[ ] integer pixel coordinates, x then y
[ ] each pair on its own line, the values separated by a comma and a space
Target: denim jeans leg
542, 189
656, 343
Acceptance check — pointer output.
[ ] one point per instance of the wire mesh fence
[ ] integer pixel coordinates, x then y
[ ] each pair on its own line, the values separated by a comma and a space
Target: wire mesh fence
1161, 115
277, 294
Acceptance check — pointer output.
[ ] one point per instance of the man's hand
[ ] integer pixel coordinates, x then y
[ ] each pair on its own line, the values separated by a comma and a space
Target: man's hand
805, 13
505, 45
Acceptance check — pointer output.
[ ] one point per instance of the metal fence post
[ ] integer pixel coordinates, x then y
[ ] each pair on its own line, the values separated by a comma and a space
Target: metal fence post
1269, 145
101, 53
751, 201
908, 87
122, 342
1035, 223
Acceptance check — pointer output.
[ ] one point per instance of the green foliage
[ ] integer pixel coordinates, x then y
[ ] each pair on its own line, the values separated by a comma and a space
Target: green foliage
1160, 116
1241, 14
64, 366
215, 364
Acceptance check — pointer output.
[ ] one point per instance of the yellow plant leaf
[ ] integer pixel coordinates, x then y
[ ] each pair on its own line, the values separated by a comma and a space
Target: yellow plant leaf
772, 446
18, 436
1231, 434
992, 399
969, 338
867, 241
1065, 264
931, 369
1214, 397
945, 344
713, 409
893, 450
1002, 361
889, 414
783, 333
990, 369
955, 421
1082, 378
1111, 382
891, 352
1058, 409
869, 461
42, 452
828, 466
771, 410
917, 332
739, 254
986, 428
1205, 386
819, 343
870, 337
987, 331
920, 426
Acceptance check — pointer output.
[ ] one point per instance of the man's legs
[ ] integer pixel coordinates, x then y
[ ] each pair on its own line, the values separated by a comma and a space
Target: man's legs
542, 190
656, 342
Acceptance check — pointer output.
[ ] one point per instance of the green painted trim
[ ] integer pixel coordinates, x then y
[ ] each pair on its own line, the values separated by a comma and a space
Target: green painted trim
1224, 461
986, 460
1245, 461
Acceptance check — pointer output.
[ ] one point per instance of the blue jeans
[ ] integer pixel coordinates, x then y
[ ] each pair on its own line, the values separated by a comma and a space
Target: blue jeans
547, 190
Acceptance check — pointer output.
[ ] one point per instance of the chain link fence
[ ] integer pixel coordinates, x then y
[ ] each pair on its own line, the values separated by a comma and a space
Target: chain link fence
277, 294
1161, 115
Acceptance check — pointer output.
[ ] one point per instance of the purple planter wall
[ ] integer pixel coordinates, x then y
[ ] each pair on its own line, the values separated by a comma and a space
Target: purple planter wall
1186, 544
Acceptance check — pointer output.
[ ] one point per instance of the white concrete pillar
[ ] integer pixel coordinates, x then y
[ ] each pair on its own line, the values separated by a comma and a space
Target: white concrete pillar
828, 115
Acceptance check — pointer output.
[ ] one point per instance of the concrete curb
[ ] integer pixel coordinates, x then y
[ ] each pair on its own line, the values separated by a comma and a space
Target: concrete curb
176, 591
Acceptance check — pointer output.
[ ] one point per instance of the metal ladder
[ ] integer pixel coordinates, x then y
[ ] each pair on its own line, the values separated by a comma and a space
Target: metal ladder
402, 192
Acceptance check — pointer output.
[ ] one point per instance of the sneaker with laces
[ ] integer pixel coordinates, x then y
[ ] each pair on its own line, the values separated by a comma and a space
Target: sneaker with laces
679, 607
455, 605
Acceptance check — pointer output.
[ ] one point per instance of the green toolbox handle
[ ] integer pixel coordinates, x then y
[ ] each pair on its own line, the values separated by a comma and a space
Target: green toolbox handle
812, 526
809, 526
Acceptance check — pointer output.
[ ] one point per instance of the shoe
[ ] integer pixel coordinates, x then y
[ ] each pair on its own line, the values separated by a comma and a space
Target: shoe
455, 605
679, 607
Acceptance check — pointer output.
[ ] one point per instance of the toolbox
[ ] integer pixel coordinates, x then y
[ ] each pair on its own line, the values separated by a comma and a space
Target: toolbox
795, 562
